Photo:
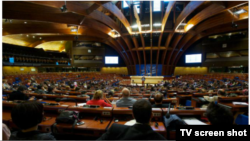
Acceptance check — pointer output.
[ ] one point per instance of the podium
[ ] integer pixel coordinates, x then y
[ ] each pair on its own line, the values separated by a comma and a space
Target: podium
148, 79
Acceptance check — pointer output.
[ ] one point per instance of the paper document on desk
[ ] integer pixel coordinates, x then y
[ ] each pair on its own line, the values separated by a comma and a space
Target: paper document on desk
81, 104
130, 123
240, 103
193, 121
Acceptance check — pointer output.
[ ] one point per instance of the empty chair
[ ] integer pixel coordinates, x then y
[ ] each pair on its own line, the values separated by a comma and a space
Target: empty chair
241, 120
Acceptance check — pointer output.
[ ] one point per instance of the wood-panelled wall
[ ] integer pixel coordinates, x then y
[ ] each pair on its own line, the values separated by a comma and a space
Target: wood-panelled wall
9, 70
117, 70
190, 70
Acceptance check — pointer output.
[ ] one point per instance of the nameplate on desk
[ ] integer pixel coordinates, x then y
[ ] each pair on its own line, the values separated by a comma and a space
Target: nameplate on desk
186, 108
156, 108
107, 107
156, 114
65, 105
203, 108
106, 113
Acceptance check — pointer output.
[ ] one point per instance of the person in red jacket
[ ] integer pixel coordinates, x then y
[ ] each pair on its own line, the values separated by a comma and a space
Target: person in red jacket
99, 99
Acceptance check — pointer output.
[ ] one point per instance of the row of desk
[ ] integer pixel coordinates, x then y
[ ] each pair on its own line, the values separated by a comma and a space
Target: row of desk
93, 127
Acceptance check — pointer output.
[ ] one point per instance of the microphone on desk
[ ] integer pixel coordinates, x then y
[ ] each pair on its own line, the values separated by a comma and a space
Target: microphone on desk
168, 115
65, 99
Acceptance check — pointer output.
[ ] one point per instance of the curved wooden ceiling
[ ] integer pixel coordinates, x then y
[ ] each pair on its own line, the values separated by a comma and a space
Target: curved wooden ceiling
42, 24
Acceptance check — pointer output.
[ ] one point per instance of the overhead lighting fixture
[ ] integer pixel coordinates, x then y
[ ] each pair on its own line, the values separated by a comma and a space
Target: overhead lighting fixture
240, 11
27, 35
145, 25
134, 26
189, 26
74, 30
40, 38
33, 36
157, 24
64, 8
25, 22
61, 41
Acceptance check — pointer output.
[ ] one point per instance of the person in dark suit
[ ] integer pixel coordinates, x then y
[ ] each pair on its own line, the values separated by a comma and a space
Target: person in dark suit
26, 116
142, 112
219, 115
158, 97
19, 94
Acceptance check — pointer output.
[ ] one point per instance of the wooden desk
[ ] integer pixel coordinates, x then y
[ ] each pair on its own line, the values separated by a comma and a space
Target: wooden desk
195, 101
195, 112
173, 101
53, 96
62, 106
148, 79
236, 108
242, 98
91, 127
182, 97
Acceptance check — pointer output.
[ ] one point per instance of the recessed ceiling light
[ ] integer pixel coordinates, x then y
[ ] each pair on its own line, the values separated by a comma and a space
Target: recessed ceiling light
27, 35
25, 22
145, 25
61, 41
157, 24
33, 36
40, 38
240, 11
134, 26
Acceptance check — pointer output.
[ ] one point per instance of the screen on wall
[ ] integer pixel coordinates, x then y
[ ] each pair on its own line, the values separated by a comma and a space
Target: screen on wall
11, 60
193, 58
111, 59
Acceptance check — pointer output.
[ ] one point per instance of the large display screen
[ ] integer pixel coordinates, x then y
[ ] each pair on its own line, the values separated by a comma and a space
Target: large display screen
111, 60
193, 58
11, 60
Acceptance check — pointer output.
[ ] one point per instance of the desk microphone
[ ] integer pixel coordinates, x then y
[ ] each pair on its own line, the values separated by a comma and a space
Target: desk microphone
65, 99
168, 115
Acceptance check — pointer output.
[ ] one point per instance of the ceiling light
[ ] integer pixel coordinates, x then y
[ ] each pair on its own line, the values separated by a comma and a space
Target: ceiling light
73, 30
10, 21
25, 22
134, 26
61, 41
27, 35
157, 24
189, 26
40, 38
240, 11
64, 8
33, 36
145, 25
